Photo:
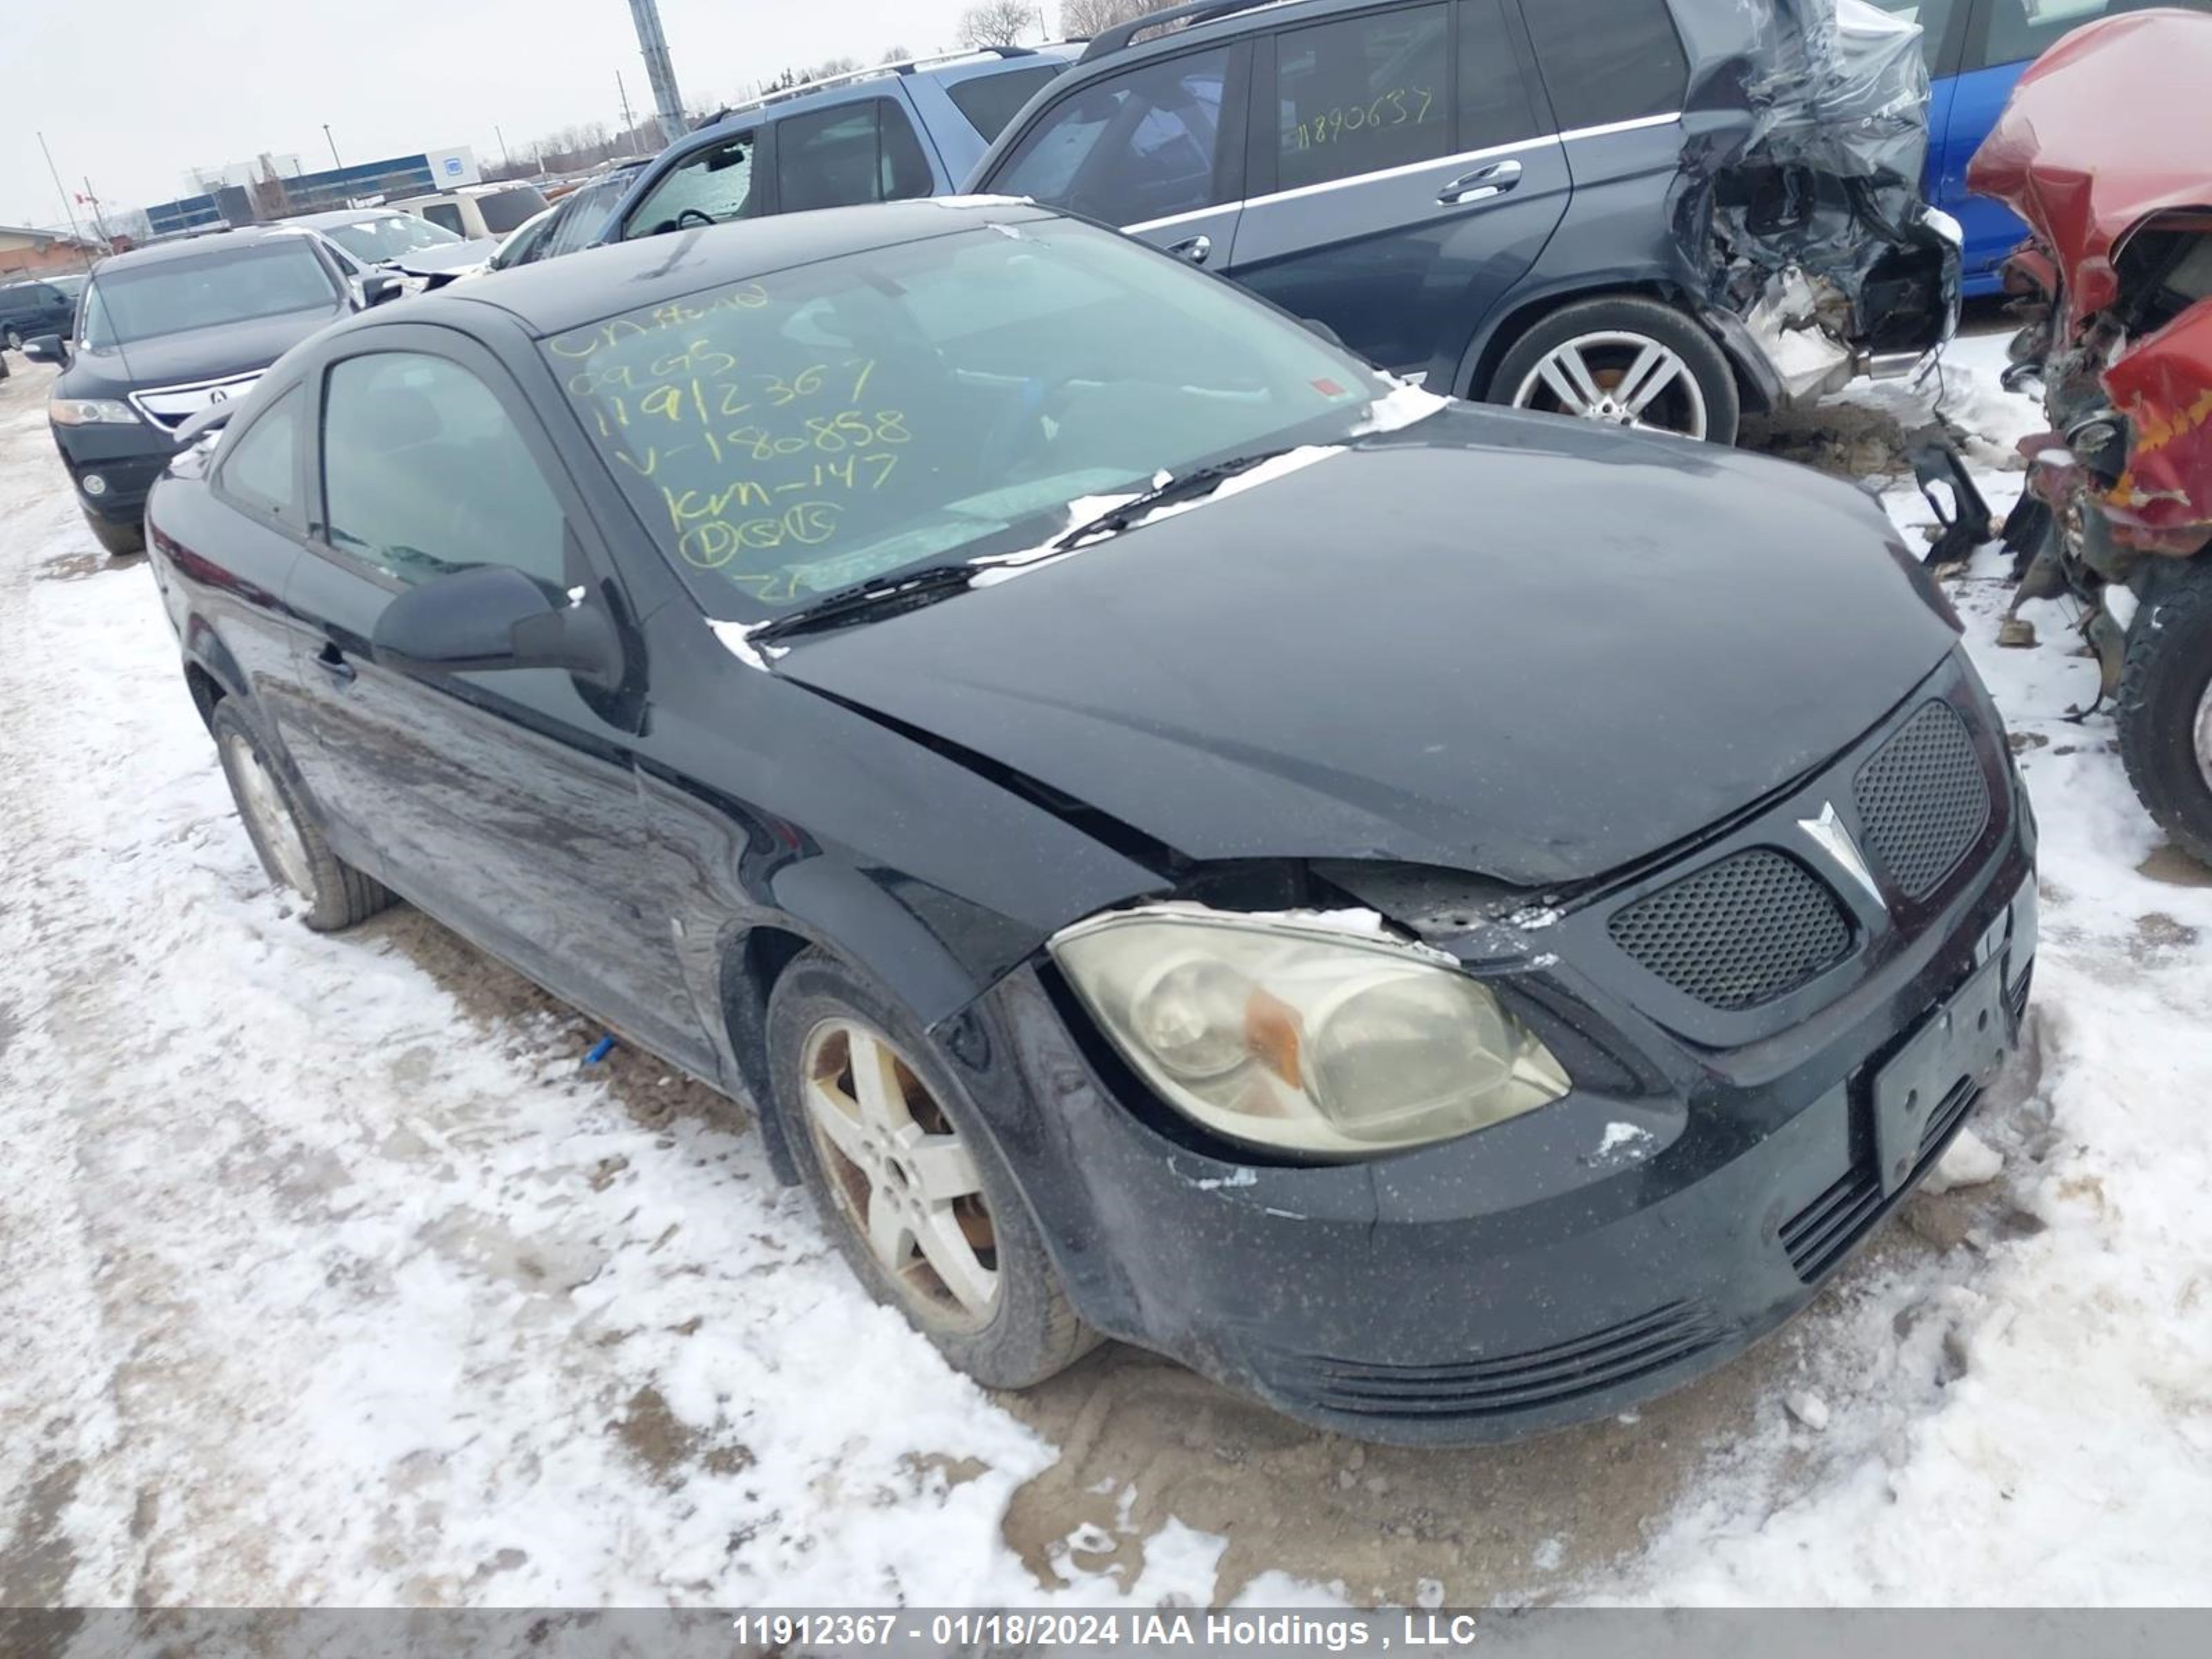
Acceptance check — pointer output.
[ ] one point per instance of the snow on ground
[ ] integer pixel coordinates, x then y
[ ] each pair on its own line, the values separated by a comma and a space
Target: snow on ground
331, 1281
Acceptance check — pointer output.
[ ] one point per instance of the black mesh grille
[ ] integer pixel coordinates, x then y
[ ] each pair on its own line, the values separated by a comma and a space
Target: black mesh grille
1924, 799
1747, 930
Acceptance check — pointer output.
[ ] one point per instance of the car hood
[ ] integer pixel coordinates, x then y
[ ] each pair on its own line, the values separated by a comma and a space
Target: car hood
199, 354
1525, 646
2083, 180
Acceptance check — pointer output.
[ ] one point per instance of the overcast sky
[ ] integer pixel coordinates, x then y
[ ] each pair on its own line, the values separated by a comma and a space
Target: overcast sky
136, 91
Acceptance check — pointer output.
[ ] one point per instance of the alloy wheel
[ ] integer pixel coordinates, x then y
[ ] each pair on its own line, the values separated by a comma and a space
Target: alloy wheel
902, 1174
1619, 378
272, 819
15, 341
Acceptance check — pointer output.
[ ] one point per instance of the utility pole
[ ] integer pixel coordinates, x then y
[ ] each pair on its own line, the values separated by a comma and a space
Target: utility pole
659, 69
504, 153
630, 125
333, 143
92, 198
75, 235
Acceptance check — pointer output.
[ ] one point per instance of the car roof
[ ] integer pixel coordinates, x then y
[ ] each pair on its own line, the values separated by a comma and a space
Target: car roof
185, 248
953, 69
345, 216
583, 288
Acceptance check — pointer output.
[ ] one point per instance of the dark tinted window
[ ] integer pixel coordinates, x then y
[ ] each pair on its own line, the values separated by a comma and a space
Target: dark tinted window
509, 209
424, 473
1494, 107
848, 156
989, 101
258, 469
1609, 60
445, 214
1130, 148
709, 184
1362, 94
2021, 29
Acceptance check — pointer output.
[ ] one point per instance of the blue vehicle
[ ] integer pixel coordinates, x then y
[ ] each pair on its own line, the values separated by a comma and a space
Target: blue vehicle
1977, 49
890, 133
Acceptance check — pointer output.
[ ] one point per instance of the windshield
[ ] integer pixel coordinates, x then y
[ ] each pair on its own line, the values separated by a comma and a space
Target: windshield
139, 302
389, 236
947, 398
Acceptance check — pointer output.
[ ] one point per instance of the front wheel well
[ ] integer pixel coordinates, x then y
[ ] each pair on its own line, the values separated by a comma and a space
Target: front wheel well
750, 967
206, 689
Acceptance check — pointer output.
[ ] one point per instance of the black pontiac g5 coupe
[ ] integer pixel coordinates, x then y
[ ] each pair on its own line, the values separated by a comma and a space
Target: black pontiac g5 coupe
1447, 919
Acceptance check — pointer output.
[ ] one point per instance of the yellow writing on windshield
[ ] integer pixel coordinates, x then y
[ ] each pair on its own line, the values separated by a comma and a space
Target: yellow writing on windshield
1400, 106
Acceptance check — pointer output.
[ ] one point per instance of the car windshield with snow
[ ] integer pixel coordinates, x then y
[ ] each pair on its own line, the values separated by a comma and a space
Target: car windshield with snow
1182, 839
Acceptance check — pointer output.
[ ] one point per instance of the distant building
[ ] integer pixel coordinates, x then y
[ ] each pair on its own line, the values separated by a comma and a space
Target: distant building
25, 249
273, 198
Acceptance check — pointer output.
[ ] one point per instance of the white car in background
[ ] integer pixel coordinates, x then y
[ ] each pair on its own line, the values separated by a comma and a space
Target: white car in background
424, 255
478, 212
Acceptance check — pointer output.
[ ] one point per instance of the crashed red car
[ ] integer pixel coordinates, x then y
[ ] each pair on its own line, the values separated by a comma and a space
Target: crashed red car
2116, 283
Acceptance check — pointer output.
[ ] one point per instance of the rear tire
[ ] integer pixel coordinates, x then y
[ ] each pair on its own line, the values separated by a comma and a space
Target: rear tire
290, 846
1644, 365
121, 540
907, 1162
2165, 706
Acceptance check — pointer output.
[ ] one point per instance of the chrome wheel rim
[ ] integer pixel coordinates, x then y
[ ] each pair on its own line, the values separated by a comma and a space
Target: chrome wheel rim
902, 1175
1619, 378
271, 819
2204, 735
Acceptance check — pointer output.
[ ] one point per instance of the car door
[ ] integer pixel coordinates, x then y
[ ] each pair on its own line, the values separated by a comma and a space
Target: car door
507, 802
1156, 149
1402, 177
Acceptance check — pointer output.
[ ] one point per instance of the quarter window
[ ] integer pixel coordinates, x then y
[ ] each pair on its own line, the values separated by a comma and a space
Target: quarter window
847, 156
424, 473
446, 215
1609, 60
712, 184
1134, 147
260, 470
1368, 93
989, 101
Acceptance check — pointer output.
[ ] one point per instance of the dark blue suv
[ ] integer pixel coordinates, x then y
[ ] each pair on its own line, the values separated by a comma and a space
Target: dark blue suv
885, 134
1654, 213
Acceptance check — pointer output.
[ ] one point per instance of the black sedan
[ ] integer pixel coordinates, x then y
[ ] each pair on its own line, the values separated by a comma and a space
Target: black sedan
1450, 921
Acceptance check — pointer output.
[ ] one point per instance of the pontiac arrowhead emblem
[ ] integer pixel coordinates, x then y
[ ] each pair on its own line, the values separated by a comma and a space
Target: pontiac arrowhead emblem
1829, 833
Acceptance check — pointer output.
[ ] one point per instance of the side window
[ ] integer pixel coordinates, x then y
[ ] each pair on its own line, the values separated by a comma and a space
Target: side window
1361, 94
712, 184
847, 155
446, 215
989, 101
260, 468
2021, 29
1609, 60
1130, 148
1934, 17
424, 473
1494, 106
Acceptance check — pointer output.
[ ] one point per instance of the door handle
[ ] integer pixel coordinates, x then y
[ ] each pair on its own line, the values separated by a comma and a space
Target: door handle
1196, 249
332, 661
1480, 185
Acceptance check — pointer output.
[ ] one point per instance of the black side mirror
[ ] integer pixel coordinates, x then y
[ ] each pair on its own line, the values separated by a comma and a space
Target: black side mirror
378, 286
46, 348
494, 617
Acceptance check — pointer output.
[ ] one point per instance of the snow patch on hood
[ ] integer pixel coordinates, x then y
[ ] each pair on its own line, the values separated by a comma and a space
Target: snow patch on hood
736, 639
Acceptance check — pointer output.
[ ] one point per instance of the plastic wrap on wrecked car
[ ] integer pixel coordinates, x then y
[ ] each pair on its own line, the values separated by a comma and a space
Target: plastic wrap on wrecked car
1806, 131
2083, 178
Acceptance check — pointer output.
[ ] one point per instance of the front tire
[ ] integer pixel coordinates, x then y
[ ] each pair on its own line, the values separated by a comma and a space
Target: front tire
291, 848
1623, 362
2165, 706
121, 540
910, 1183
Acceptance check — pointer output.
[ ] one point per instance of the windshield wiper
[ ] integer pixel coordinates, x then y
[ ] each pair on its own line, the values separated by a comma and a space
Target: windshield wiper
1200, 481
902, 590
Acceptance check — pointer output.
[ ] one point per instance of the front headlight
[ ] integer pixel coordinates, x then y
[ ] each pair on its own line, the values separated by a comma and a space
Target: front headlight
90, 411
1297, 1037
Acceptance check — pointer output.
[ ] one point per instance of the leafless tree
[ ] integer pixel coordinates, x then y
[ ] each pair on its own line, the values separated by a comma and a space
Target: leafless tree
895, 55
997, 22
1079, 20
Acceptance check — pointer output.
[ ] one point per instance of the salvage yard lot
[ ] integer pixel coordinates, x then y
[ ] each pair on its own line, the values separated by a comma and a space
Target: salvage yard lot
335, 1278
